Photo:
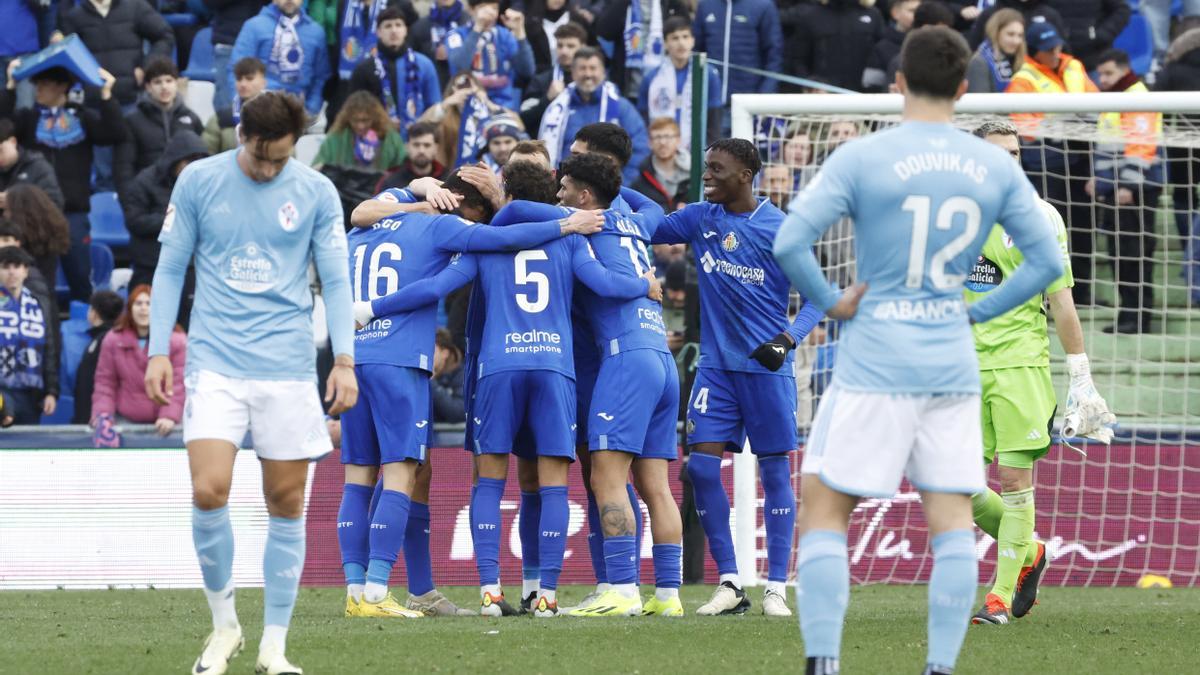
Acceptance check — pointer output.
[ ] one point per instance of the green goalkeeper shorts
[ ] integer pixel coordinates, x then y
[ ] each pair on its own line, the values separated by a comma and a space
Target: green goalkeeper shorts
1018, 406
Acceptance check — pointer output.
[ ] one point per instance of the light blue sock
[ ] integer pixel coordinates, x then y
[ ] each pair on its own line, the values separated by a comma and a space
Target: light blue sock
418, 565
712, 504
531, 516
387, 535
353, 532
668, 569
779, 513
212, 535
485, 509
822, 592
556, 514
951, 593
283, 563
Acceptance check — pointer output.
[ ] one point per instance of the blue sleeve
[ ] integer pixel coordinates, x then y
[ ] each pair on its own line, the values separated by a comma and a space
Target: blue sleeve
1035, 238
678, 227
521, 211
808, 317
826, 199
452, 233
460, 48
772, 46
329, 255
523, 59
462, 269
429, 83
632, 121
645, 207
178, 238
601, 280
321, 74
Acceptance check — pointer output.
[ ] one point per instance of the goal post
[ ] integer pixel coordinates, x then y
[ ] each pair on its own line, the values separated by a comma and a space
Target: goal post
1126, 510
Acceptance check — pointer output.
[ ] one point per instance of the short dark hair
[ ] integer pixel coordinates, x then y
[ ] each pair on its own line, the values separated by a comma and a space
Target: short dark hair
531, 147
10, 229
600, 175
273, 115
248, 66
675, 24
529, 181
7, 130
108, 305
1117, 56
932, 13
423, 129
57, 74
159, 66
391, 13
571, 29
607, 138
15, 255
589, 52
742, 150
934, 61
471, 196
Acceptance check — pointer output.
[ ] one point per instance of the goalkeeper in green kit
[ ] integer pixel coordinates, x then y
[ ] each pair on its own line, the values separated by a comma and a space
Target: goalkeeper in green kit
1019, 404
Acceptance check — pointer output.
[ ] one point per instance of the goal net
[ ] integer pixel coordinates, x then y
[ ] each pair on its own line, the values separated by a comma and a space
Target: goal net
1126, 510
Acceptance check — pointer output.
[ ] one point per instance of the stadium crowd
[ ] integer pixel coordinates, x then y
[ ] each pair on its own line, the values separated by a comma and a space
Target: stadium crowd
399, 90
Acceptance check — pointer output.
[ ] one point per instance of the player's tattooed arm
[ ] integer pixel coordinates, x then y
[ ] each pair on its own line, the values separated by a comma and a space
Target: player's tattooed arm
615, 522
582, 222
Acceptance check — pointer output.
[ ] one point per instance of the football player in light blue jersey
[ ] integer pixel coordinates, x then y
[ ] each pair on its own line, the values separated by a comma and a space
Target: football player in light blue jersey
905, 394
744, 386
252, 219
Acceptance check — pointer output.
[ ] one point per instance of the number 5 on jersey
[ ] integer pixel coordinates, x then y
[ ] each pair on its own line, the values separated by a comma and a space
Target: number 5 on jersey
541, 283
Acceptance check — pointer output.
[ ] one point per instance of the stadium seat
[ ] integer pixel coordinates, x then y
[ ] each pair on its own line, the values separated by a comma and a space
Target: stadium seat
61, 289
183, 19
199, 98
307, 146
1138, 42
108, 221
102, 266
200, 62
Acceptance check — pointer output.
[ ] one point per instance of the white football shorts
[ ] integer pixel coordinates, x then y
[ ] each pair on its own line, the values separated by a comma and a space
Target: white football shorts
863, 443
284, 417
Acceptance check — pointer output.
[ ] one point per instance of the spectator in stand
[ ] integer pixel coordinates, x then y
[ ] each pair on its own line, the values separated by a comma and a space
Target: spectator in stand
429, 34
403, 79
1158, 15
421, 162
361, 137
928, 13
20, 35
833, 41
1130, 175
115, 31
29, 342
632, 37
460, 117
292, 46
66, 133
24, 166
501, 134
666, 174
103, 310
1181, 72
446, 384
498, 56
798, 156
666, 90
550, 82
120, 389
220, 132
45, 234
158, 115
145, 202
1034, 11
227, 19
776, 185
591, 98
1000, 55
356, 31
543, 18
902, 12
743, 33
1090, 26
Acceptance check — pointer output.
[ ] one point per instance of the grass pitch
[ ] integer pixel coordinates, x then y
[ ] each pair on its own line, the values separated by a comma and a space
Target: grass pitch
1073, 631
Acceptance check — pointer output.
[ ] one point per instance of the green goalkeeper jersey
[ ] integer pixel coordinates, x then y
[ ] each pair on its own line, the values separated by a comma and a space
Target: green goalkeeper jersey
1018, 338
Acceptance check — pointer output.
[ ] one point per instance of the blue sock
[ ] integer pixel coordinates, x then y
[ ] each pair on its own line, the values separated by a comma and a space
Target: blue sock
779, 512
668, 566
471, 507
531, 516
640, 522
417, 562
387, 535
951, 592
212, 535
283, 562
595, 540
620, 559
485, 508
353, 527
376, 492
713, 506
553, 532
823, 592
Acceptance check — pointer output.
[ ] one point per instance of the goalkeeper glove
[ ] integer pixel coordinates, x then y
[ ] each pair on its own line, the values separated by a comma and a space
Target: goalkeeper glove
1087, 413
363, 314
772, 353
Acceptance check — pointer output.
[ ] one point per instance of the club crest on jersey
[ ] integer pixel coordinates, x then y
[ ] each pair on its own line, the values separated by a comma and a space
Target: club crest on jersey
730, 242
289, 217
691, 426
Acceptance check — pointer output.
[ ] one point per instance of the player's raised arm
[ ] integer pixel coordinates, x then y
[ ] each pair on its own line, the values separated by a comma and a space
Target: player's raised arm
607, 283
679, 227
178, 239
389, 203
644, 207
1025, 221
456, 234
461, 270
329, 254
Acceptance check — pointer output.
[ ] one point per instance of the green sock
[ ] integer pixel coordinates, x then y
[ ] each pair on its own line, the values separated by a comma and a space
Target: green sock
1016, 538
988, 509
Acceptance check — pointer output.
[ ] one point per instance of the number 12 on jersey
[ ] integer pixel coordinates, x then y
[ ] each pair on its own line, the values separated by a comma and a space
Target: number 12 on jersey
920, 206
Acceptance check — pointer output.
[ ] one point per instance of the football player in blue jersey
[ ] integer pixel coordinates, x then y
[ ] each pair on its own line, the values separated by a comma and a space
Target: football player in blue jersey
252, 219
744, 386
904, 401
